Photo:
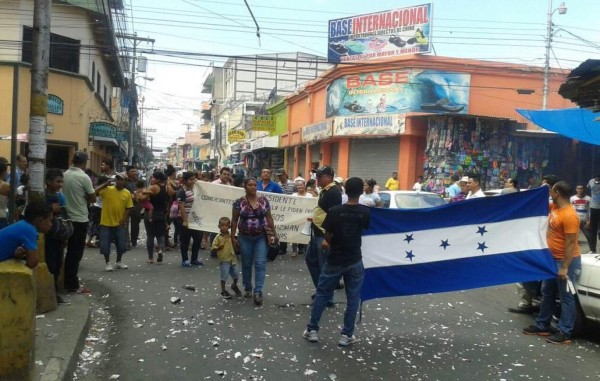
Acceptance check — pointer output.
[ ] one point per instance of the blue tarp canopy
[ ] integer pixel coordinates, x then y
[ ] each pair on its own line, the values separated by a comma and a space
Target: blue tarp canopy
575, 123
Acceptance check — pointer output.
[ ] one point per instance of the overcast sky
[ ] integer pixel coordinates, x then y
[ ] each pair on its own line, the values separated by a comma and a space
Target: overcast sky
205, 32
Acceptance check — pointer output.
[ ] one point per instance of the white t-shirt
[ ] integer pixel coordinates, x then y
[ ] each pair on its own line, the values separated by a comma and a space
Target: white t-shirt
477, 194
417, 187
369, 199
305, 195
582, 206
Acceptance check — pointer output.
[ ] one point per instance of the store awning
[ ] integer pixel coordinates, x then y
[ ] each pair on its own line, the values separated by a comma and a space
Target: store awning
574, 123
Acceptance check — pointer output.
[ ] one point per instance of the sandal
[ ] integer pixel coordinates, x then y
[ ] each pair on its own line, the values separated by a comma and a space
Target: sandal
160, 257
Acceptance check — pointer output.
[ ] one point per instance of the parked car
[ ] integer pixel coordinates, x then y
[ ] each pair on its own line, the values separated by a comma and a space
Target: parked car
588, 291
410, 199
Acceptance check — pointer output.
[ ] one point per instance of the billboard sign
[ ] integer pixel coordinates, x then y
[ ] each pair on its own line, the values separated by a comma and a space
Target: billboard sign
236, 135
317, 131
370, 124
263, 123
399, 92
382, 34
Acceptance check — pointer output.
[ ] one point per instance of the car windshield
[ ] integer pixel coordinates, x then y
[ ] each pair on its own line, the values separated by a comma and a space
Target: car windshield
417, 200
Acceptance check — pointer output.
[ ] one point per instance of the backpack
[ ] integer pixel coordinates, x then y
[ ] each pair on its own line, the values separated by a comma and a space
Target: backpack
62, 227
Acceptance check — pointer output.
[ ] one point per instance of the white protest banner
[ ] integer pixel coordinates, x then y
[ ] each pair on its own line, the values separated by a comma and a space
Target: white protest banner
213, 201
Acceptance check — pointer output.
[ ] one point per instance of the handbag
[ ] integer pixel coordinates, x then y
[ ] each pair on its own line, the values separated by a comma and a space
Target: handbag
62, 227
272, 242
174, 211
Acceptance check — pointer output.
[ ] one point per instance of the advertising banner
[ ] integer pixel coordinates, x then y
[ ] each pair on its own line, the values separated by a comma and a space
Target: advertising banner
317, 131
103, 130
213, 201
236, 135
382, 34
371, 124
55, 105
398, 92
263, 123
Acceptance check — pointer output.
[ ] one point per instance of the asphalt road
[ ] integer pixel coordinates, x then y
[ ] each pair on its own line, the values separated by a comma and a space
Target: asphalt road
138, 334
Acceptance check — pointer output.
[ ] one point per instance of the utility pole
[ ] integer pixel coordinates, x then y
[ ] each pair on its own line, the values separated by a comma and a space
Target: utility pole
132, 117
188, 125
40, 63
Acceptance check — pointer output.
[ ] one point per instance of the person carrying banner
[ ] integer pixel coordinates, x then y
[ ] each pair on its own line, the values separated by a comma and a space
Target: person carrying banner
343, 227
266, 184
185, 199
318, 247
562, 237
251, 214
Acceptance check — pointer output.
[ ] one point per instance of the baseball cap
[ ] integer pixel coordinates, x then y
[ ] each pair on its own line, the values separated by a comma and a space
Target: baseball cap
325, 170
338, 180
121, 175
280, 172
464, 179
80, 157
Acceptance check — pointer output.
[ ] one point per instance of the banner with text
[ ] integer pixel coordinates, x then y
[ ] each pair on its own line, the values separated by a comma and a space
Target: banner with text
395, 32
213, 201
374, 124
317, 131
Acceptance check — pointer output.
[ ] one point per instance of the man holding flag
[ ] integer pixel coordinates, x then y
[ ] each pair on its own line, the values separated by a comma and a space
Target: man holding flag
562, 237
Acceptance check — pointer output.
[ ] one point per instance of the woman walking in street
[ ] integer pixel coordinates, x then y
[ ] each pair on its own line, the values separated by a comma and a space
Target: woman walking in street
250, 216
157, 227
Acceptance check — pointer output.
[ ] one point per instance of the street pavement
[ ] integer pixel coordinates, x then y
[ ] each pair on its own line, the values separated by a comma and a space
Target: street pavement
137, 333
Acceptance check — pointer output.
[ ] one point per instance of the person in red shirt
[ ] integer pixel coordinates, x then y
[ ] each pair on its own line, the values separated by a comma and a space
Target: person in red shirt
562, 237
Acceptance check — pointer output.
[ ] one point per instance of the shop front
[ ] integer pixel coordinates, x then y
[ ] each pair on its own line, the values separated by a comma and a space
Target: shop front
103, 144
265, 153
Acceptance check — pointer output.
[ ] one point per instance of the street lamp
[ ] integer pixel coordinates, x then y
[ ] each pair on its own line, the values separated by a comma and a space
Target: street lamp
562, 9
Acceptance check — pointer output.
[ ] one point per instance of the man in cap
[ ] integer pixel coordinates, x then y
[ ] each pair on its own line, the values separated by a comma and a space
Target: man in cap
79, 193
318, 248
464, 190
116, 206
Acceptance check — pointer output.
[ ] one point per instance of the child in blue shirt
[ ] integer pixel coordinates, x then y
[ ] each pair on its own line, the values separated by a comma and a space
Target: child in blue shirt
19, 240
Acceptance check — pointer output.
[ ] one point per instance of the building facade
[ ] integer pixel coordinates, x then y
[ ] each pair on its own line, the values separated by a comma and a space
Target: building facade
85, 102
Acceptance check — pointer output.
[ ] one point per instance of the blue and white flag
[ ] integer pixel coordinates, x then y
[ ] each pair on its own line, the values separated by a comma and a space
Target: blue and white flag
469, 244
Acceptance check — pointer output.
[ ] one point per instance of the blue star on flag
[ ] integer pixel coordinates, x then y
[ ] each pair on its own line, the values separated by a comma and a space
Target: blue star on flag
445, 244
410, 255
482, 246
481, 230
409, 237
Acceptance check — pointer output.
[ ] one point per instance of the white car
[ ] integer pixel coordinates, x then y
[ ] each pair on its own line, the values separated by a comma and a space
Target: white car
588, 287
398, 199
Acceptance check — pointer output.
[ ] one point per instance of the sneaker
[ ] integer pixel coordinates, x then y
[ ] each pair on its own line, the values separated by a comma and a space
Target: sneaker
527, 310
236, 289
150, 261
225, 294
559, 338
186, 264
108, 267
258, 300
197, 263
592, 252
347, 340
121, 265
247, 293
534, 330
80, 290
61, 301
160, 257
311, 336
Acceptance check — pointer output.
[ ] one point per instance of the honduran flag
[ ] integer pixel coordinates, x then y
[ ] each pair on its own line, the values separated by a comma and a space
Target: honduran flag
468, 244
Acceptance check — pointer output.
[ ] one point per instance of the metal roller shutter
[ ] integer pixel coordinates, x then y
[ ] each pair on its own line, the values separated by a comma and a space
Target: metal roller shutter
335, 156
315, 153
374, 158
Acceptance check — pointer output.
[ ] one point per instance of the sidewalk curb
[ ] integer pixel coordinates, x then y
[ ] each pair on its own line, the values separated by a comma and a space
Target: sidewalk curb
58, 352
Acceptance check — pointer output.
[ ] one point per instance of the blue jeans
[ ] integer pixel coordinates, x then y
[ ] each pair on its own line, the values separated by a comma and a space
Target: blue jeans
110, 234
254, 250
227, 269
567, 300
315, 258
353, 279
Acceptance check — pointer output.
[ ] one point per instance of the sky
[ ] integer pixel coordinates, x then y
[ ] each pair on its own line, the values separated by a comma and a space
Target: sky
192, 35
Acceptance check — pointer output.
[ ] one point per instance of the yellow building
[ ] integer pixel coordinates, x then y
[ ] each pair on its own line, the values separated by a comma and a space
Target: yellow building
84, 83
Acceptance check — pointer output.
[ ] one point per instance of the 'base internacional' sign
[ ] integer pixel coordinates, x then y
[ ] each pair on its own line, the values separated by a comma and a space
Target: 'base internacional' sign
213, 201
370, 124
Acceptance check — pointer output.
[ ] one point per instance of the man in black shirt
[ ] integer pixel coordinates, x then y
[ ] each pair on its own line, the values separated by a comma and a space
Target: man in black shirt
318, 248
343, 230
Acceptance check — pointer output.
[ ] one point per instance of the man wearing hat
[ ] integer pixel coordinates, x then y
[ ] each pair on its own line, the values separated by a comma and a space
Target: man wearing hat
116, 206
318, 248
464, 190
79, 193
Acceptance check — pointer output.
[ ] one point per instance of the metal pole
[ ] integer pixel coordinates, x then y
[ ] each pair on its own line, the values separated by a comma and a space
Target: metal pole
13, 145
547, 57
132, 118
39, 97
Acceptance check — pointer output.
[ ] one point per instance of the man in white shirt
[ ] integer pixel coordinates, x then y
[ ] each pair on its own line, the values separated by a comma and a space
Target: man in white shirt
474, 187
581, 203
224, 177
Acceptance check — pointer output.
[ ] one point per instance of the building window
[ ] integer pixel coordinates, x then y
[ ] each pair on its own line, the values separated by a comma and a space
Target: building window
104, 95
64, 51
93, 74
98, 79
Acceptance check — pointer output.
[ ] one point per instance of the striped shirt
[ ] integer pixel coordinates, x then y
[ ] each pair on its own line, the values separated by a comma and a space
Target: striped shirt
289, 187
187, 197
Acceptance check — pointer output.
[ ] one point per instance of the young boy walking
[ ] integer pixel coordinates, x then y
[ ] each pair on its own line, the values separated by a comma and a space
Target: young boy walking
227, 258
343, 230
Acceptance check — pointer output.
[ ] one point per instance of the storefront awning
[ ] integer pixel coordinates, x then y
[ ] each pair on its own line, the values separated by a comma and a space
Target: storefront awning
574, 123
105, 139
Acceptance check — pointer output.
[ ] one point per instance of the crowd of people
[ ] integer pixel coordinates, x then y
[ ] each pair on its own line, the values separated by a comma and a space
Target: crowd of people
108, 209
